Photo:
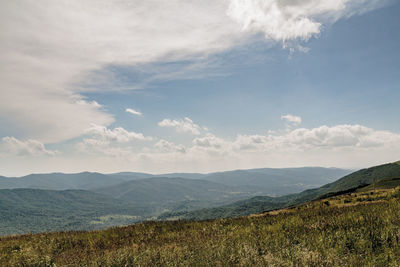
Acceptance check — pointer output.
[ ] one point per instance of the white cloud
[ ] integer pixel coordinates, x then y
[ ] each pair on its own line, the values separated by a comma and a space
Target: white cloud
340, 146
284, 20
210, 146
294, 120
134, 112
182, 126
116, 142
104, 150
13, 146
324, 137
118, 134
210, 141
51, 49
94, 147
165, 146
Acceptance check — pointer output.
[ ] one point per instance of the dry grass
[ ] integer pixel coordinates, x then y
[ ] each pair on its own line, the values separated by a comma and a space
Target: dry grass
364, 231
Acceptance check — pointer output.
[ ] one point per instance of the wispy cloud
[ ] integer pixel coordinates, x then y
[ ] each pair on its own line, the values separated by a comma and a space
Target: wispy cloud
291, 119
134, 112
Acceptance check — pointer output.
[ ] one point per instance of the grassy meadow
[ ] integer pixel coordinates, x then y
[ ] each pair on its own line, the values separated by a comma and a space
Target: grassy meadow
358, 229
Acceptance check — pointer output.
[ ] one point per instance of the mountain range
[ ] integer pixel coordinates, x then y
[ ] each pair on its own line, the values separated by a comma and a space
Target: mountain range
271, 181
48, 202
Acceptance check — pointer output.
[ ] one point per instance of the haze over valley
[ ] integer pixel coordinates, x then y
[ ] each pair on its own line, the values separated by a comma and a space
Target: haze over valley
56, 201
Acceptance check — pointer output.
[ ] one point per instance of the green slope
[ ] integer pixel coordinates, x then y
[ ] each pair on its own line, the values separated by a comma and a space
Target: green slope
260, 204
366, 176
386, 183
350, 182
36, 210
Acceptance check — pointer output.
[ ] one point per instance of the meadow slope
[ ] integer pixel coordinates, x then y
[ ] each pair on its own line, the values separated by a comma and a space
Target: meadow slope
358, 229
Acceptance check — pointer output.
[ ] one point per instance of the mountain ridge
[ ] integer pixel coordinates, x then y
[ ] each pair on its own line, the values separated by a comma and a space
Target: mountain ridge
271, 181
348, 183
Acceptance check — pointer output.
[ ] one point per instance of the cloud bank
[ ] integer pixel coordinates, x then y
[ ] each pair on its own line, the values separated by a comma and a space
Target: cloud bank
110, 150
15, 147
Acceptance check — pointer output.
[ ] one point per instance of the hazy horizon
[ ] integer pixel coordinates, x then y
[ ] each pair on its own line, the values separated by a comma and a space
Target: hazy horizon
168, 173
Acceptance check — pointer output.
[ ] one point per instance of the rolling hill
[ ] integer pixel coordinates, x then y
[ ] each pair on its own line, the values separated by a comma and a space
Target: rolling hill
348, 183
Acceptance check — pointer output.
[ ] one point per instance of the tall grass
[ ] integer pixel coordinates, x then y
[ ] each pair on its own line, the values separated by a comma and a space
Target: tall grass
324, 233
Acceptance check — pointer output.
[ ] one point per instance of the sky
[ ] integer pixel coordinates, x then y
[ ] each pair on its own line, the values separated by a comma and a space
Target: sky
198, 86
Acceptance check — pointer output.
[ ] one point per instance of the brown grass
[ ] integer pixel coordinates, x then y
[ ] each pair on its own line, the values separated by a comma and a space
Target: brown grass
364, 232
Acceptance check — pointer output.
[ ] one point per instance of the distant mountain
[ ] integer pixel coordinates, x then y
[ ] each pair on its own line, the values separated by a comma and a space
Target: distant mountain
275, 182
173, 192
386, 174
267, 181
244, 207
37, 210
128, 176
57, 201
61, 181
272, 182
183, 175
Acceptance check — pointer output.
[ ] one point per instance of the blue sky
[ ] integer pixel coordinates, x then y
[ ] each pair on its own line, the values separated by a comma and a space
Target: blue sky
207, 102
350, 75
